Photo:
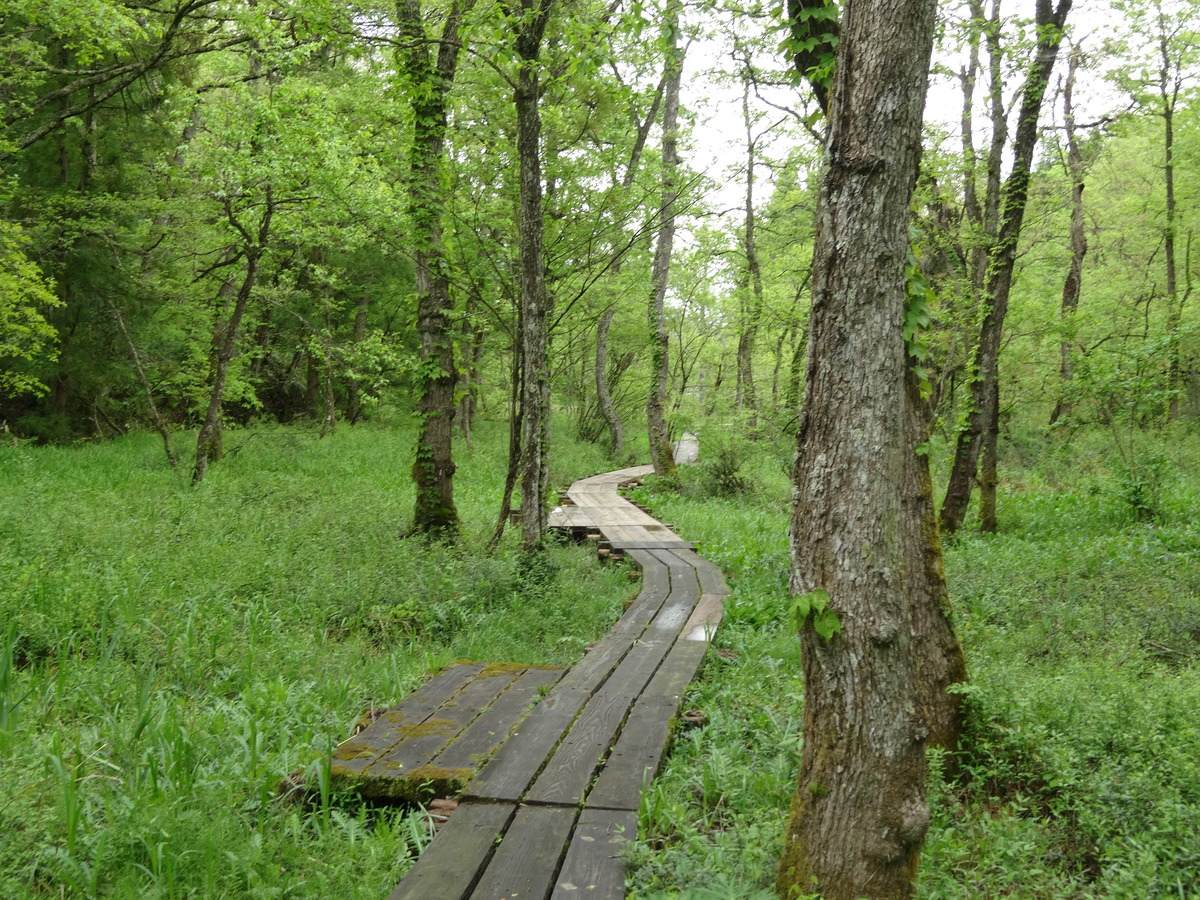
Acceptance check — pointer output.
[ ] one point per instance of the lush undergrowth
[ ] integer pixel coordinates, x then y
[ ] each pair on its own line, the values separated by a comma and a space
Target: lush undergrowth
1081, 622
168, 654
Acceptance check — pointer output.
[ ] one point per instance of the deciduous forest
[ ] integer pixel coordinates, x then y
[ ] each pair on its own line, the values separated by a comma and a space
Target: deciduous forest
309, 309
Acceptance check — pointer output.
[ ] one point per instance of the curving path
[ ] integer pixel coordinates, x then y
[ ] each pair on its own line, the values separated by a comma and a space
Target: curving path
548, 813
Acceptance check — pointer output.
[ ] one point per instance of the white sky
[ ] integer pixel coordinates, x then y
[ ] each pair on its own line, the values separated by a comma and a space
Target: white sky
718, 139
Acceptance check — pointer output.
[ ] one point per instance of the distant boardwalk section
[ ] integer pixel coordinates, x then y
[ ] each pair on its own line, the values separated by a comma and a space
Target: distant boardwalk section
551, 807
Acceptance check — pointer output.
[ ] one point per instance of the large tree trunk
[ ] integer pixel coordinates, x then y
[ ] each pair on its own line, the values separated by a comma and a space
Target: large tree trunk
535, 369
983, 423
429, 80
863, 529
656, 404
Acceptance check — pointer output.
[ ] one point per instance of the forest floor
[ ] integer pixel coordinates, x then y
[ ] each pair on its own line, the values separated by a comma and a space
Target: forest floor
168, 654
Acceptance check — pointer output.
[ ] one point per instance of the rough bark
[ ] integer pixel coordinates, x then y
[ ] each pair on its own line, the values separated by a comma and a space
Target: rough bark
530, 26
430, 77
983, 422
863, 528
656, 404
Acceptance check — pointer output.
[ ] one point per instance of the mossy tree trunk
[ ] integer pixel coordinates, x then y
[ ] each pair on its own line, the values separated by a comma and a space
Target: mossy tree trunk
863, 525
430, 75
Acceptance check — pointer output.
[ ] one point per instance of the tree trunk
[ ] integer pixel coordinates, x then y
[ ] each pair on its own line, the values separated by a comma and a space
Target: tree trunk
656, 404
434, 512
616, 434
863, 529
535, 371
1074, 280
161, 428
982, 426
208, 441
746, 393
1169, 95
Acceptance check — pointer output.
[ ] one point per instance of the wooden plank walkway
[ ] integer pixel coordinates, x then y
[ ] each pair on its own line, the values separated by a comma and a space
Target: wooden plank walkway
548, 812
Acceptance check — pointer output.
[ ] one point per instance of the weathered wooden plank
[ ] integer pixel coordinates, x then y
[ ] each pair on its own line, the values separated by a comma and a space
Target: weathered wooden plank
481, 738
636, 757
509, 773
591, 671
570, 770
677, 671
450, 865
702, 625
712, 579
525, 864
356, 754
593, 868
421, 743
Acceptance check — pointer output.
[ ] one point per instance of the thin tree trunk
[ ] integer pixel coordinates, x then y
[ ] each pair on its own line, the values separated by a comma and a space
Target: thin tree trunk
608, 410
616, 433
746, 394
656, 423
1073, 282
863, 531
161, 428
361, 314
209, 443
1169, 94
982, 425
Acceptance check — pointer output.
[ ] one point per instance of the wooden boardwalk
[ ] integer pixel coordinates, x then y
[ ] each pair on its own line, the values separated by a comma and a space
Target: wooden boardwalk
548, 812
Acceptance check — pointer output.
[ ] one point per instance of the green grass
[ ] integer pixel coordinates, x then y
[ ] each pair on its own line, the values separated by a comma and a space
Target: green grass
1082, 631
170, 653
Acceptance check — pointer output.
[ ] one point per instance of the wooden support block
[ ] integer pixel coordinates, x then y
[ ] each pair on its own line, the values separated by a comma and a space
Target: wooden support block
594, 868
449, 867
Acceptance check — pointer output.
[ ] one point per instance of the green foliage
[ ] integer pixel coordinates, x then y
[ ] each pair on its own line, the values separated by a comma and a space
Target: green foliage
815, 604
25, 335
1082, 628
170, 655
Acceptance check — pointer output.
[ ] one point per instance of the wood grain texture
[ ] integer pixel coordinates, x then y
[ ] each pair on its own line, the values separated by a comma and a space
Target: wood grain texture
593, 868
525, 864
450, 865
